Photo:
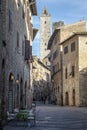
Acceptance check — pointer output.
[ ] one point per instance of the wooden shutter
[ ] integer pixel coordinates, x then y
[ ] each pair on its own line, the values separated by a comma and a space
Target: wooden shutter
27, 49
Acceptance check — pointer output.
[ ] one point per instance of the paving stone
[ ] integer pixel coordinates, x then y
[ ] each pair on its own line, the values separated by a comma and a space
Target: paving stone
57, 118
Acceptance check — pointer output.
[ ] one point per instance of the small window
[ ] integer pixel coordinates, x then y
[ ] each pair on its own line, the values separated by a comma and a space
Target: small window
73, 46
73, 71
10, 20
66, 73
4, 43
18, 3
65, 49
3, 64
58, 88
17, 39
23, 13
45, 44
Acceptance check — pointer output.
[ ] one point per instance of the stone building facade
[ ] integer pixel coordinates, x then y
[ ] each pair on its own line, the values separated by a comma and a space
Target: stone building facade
41, 81
45, 33
60, 34
75, 70
16, 36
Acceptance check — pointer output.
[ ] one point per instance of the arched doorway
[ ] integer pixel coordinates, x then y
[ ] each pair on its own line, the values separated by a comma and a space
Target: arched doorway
10, 93
25, 95
74, 97
18, 92
21, 93
66, 98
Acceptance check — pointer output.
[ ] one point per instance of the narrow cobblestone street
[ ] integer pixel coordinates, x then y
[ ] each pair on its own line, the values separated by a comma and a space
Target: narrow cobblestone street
49, 117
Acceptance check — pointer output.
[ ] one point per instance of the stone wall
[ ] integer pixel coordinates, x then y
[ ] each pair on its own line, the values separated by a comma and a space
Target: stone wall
62, 33
83, 69
41, 80
70, 83
14, 31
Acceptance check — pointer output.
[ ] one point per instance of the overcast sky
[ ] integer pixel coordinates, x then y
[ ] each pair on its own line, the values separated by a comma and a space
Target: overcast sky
69, 11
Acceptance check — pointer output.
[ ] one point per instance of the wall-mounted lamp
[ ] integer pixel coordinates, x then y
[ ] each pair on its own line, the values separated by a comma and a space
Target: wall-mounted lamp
12, 77
52, 81
17, 81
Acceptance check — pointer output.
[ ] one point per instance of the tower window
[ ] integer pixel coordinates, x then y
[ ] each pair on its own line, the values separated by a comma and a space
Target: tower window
45, 43
45, 22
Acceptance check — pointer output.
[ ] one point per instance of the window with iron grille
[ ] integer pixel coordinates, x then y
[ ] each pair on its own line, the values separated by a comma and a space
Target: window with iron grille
65, 49
73, 46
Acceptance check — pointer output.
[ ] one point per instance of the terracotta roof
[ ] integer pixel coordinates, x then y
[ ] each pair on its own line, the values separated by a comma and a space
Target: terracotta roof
74, 34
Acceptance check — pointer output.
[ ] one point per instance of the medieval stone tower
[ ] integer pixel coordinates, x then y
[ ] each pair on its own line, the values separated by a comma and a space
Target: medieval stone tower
45, 33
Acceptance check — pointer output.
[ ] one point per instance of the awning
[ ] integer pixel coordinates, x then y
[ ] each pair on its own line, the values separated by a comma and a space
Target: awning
32, 4
35, 30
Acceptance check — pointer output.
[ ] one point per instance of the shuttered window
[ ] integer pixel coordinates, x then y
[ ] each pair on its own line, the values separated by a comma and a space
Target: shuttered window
73, 46
27, 48
65, 49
